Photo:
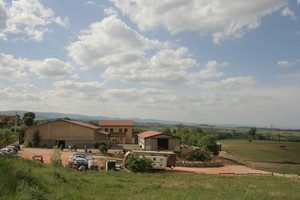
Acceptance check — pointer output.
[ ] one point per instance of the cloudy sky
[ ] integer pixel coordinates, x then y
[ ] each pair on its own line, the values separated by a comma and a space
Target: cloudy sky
208, 61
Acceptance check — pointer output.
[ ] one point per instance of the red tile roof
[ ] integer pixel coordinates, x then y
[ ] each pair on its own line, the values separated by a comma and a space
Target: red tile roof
7, 115
148, 134
116, 123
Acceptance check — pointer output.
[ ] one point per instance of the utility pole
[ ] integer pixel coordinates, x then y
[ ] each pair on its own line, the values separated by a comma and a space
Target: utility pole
16, 122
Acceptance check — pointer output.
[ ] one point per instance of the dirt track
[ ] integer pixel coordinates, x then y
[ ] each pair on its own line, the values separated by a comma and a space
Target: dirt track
229, 167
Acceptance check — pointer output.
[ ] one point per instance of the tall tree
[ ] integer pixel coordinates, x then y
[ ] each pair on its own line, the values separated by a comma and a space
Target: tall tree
29, 114
29, 118
252, 132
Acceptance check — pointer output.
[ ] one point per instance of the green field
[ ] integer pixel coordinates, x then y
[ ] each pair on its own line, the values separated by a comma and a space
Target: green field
275, 158
25, 179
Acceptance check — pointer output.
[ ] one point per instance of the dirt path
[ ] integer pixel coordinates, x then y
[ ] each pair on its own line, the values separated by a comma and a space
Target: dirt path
229, 166
236, 169
46, 153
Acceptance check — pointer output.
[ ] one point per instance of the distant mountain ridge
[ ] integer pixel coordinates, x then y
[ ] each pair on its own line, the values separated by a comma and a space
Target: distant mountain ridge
54, 115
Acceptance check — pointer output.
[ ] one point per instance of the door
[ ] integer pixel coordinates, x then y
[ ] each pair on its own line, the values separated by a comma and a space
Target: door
162, 144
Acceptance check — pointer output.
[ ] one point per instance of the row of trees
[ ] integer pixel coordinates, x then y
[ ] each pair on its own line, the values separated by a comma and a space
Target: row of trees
205, 143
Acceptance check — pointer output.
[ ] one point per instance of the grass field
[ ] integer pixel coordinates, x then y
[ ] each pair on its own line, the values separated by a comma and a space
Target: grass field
25, 179
267, 155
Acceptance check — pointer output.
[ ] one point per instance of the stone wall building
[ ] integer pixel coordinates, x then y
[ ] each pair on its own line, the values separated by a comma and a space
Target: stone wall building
158, 141
66, 133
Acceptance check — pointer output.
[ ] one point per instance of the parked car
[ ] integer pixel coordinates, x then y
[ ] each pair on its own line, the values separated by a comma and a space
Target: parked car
82, 161
17, 146
15, 149
8, 150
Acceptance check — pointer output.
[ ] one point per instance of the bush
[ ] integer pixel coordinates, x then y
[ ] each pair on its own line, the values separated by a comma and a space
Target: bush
27, 144
139, 164
55, 157
210, 144
103, 148
197, 155
96, 145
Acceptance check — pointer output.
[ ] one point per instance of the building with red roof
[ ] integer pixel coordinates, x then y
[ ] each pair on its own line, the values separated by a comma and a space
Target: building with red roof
158, 141
67, 133
10, 118
120, 131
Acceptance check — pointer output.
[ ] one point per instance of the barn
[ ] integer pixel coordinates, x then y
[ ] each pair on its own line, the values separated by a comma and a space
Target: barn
158, 141
67, 133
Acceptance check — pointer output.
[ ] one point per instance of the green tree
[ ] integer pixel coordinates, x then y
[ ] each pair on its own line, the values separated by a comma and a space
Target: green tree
209, 143
5, 122
7, 137
28, 121
252, 132
166, 131
28, 118
29, 114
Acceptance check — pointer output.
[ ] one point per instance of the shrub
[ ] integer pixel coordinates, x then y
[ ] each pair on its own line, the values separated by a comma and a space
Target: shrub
210, 144
139, 164
96, 145
103, 148
27, 143
197, 155
55, 157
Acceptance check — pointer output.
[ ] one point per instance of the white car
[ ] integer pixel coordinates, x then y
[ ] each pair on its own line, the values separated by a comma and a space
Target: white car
8, 151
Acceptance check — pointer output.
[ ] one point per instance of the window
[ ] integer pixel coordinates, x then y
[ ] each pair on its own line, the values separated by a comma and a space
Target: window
106, 130
111, 130
120, 130
125, 130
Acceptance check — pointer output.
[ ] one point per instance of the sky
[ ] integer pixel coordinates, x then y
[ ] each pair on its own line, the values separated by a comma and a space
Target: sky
208, 61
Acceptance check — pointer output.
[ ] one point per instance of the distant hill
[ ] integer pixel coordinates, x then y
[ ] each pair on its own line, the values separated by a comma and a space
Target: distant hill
54, 115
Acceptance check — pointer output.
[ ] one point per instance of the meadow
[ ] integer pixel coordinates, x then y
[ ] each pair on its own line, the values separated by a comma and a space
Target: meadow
27, 179
266, 155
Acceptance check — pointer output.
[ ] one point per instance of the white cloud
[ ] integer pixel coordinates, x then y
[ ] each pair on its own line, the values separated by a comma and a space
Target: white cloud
11, 68
222, 19
212, 70
287, 12
298, 1
109, 42
51, 68
165, 67
130, 57
74, 90
232, 83
287, 64
11, 95
3, 17
18, 68
30, 17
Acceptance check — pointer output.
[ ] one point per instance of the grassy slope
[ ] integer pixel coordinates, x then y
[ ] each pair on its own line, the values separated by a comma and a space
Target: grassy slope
22, 179
266, 151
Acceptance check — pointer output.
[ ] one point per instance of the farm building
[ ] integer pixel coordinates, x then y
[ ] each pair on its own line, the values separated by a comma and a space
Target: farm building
120, 131
67, 132
10, 118
158, 141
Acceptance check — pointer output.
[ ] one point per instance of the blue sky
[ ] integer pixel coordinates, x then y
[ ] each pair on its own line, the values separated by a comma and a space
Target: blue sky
204, 61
